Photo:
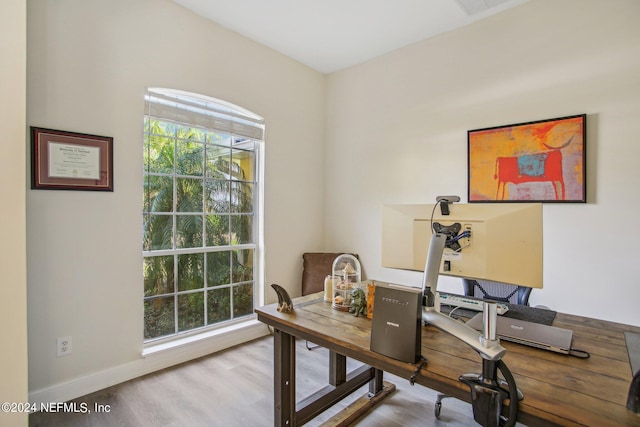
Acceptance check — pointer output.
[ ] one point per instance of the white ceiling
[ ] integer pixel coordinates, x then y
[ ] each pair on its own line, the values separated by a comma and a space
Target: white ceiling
329, 35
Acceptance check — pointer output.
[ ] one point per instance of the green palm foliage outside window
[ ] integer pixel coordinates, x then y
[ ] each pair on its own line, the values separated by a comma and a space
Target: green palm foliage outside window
199, 213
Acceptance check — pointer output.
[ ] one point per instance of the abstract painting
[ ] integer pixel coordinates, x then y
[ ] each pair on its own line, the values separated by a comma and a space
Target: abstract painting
541, 161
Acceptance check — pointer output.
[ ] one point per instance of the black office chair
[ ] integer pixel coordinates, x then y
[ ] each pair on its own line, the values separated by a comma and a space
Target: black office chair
633, 398
495, 291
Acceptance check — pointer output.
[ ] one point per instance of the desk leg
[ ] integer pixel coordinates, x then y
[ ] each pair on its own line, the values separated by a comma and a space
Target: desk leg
377, 382
341, 385
338, 373
284, 348
337, 368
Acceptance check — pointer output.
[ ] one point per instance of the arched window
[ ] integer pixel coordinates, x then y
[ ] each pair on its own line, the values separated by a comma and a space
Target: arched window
201, 211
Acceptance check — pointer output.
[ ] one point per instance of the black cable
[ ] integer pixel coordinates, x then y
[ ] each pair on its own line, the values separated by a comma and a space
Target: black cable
513, 395
433, 211
459, 236
423, 363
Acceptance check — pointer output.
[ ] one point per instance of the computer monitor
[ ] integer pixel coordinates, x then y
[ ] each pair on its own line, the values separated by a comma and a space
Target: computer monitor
500, 242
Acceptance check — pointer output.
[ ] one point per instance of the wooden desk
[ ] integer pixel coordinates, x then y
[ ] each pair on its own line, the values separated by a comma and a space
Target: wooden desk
558, 389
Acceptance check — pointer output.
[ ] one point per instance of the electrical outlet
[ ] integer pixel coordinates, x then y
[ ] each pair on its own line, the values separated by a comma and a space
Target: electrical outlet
65, 345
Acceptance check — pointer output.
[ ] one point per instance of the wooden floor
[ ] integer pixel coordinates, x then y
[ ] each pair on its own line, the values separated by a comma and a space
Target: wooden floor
234, 388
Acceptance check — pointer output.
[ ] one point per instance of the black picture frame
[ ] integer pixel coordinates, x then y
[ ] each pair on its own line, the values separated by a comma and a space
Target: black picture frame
538, 161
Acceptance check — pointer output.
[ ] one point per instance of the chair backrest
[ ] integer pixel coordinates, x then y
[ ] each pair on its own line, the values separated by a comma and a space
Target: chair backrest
315, 267
496, 291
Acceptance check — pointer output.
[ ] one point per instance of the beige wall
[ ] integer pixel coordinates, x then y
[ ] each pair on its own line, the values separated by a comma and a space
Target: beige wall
407, 114
13, 304
89, 64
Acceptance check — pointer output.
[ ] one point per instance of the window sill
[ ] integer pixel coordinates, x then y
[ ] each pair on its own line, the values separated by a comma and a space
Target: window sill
214, 340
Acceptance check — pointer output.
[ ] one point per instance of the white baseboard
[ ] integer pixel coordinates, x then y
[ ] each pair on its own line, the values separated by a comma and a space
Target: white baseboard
148, 363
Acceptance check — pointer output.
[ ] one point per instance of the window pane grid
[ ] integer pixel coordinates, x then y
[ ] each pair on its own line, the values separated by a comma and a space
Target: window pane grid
198, 210
240, 297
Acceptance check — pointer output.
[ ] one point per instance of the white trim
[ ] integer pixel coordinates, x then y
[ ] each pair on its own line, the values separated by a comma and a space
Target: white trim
198, 110
151, 361
260, 274
194, 335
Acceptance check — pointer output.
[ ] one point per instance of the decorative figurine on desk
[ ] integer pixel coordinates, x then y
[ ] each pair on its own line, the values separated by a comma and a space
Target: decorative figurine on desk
358, 302
285, 305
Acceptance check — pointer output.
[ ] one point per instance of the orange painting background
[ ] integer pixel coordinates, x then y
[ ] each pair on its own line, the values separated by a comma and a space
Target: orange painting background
486, 145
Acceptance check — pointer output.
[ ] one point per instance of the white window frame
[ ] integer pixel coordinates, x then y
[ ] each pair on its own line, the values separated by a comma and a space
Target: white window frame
202, 112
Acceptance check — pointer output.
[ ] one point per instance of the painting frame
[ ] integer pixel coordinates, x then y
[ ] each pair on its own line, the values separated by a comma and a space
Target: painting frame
62, 160
538, 161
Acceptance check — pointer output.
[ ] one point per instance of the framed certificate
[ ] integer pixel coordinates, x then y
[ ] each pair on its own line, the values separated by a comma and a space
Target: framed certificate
63, 160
